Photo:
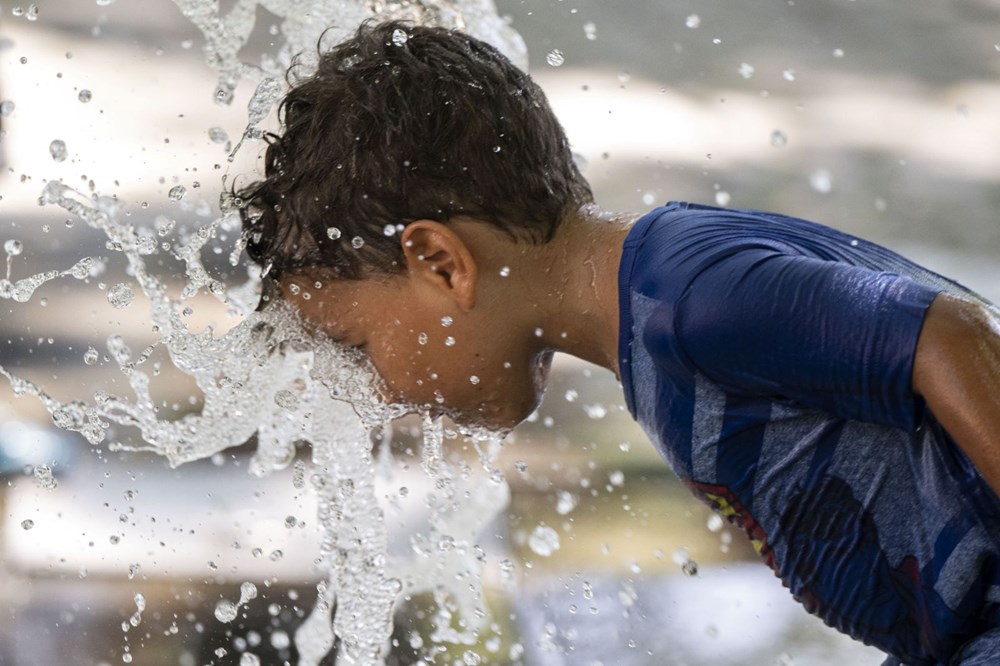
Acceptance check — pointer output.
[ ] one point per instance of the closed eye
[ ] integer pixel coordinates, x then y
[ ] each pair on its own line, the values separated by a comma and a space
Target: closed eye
345, 340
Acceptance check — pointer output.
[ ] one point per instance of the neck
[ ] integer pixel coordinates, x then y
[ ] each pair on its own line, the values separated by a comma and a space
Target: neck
577, 286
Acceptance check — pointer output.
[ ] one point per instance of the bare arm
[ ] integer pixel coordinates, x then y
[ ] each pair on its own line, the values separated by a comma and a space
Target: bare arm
957, 372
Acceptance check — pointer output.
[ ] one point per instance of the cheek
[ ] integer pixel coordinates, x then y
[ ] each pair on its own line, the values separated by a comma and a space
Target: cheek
441, 366
417, 367
404, 372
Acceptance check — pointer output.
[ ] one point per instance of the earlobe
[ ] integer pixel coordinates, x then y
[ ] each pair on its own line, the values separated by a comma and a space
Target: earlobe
439, 258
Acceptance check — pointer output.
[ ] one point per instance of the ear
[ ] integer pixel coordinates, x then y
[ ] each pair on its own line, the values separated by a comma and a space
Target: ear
439, 258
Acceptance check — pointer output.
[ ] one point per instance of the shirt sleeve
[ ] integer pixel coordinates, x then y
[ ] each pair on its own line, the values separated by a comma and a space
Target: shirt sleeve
823, 334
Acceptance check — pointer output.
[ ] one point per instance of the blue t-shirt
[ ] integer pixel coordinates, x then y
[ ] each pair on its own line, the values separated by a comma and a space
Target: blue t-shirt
770, 359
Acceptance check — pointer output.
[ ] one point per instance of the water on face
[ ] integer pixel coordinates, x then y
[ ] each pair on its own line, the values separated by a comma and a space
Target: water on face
321, 393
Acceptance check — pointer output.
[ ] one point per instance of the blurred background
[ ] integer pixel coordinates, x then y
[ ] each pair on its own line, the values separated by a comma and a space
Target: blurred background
876, 117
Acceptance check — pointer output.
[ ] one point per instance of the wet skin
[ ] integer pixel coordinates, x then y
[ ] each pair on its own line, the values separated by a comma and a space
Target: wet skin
482, 377
470, 326
510, 305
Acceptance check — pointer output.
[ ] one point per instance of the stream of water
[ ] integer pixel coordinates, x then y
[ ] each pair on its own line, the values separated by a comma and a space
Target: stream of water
313, 390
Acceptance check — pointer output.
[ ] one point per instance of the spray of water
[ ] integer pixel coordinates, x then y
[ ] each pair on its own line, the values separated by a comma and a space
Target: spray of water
315, 391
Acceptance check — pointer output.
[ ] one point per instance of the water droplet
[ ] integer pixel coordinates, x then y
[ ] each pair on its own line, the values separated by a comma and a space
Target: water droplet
13, 247
715, 523
778, 138
497, 149
43, 477
177, 192
280, 640
590, 30
555, 58
389, 230
290, 521
722, 198
333, 233
692, 21
85, 95
249, 659
299, 475
6, 107
225, 611
127, 657
746, 70
543, 540
357, 242
114, 539
690, 568
422, 338
120, 295
648, 199
218, 135
473, 379
140, 606
617, 478
838, 53
788, 74
565, 502
287, 400
821, 180
571, 395
470, 658
27, 524
164, 225
248, 591
505, 271
447, 321
57, 149
399, 37
275, 555
449, 341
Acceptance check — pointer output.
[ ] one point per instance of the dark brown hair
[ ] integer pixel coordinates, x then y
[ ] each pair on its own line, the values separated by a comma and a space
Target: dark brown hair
399, 123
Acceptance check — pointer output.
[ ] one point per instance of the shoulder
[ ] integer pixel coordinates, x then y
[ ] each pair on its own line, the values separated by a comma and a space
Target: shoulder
673, 244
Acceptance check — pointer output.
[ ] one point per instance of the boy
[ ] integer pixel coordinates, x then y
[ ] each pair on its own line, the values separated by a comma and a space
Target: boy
834, 400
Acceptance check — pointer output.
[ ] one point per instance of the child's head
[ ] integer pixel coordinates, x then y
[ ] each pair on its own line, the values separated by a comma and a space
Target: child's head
401, 123
403, 146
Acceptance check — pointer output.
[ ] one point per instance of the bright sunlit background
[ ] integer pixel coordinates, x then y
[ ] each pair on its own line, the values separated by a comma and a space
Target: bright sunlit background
878, 117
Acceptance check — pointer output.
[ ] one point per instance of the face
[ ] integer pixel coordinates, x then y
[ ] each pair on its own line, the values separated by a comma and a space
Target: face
435, 334
447, 360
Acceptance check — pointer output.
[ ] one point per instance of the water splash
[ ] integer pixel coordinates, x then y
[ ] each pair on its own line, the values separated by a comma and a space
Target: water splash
226, 611
321, 393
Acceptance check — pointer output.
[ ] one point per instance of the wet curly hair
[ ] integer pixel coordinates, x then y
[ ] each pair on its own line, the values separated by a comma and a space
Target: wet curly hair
388, 130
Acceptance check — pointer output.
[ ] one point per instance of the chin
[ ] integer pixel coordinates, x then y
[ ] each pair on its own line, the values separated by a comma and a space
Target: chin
502, 411
500, 416
500, 421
